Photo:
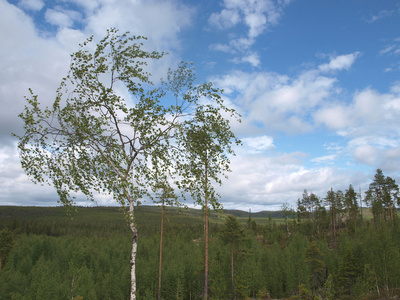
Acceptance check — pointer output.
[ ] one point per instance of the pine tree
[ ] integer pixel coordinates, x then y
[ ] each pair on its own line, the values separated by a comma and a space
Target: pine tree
383, 196
351, 205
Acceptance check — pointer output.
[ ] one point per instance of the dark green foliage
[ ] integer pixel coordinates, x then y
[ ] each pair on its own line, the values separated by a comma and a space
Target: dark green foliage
383, 197
348, 271
232, 234
6, 243
314, 260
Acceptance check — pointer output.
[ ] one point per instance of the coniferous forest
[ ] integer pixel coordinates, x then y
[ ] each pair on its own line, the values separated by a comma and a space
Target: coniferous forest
342, 245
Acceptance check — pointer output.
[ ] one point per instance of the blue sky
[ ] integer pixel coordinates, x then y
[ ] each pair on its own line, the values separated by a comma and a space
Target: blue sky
317, 83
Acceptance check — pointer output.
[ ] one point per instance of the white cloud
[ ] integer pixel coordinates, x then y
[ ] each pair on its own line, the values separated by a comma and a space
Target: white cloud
366, 154
256, 15
391, 49
253, 59
259, 144
15, 185
383, 14
258, 182
334, 117
220, 47
160, 21
324, 159
227, 18
370, 122
27, 61
277, 101
256, 23
341, 62
31, 4
62, 17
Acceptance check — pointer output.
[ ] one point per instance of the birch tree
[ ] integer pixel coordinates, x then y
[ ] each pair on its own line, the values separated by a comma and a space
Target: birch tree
92, 140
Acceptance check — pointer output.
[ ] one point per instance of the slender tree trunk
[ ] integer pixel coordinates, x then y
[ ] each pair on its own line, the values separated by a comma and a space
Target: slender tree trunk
161, 244
206, 238
72, 287
386, 276
233, 278
377, 285
134, 250
361, 208
313, 219
287, 226
334, 225
1, 258
391, 213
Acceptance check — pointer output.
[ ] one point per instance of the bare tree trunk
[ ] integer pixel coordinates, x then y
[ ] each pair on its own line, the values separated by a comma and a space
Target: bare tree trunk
134, 250
161, 244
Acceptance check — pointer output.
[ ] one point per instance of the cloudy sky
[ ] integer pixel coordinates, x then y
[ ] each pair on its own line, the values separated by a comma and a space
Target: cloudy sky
317, 83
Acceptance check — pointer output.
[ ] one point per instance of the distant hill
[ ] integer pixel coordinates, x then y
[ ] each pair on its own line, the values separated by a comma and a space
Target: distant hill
261, 214
32, 211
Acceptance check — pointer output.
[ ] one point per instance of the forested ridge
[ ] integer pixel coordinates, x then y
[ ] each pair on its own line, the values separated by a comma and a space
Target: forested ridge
325, 248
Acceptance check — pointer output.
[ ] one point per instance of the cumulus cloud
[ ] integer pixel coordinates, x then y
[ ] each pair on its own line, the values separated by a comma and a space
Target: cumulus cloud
366, 154
31, 4
255, 15
277, 101
341, 62
253, 59
28, 61
370, 123
15, 185
160, 21
334, 117
259, 181
227, 18
259, 144
62, 17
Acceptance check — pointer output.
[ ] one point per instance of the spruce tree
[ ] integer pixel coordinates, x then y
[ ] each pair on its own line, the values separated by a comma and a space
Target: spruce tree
232, 233
313, 258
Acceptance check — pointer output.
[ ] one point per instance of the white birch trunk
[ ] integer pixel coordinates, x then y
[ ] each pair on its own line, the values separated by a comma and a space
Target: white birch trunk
134, 250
